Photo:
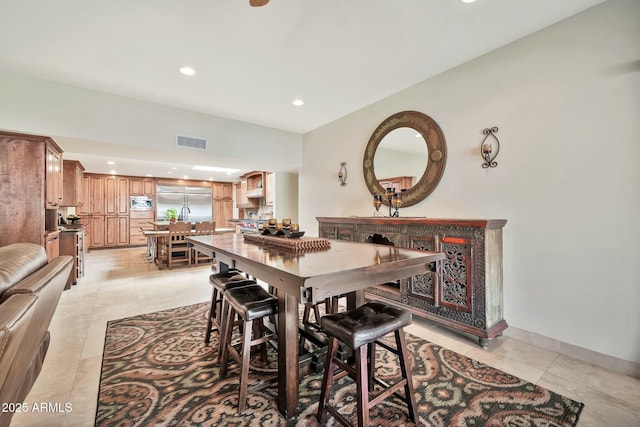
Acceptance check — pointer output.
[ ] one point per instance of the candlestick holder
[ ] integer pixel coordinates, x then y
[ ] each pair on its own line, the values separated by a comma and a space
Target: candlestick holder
377, 202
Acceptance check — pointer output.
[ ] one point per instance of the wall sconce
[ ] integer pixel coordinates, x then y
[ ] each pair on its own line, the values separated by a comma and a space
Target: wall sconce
342, 174
489, 148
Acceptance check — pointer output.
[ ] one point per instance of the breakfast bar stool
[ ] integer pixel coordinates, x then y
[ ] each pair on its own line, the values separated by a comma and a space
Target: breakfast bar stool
220, 283
250, 303
360, 329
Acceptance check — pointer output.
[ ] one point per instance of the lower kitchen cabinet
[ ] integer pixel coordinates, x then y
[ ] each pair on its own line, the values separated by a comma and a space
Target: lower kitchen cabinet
463, 292
52, 244
139, 220
116, 230
73, 243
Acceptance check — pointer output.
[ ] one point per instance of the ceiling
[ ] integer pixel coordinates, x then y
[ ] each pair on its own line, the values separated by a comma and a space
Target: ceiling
251, 63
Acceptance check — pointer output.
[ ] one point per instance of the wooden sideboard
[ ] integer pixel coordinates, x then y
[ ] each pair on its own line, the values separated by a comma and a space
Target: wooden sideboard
464, 292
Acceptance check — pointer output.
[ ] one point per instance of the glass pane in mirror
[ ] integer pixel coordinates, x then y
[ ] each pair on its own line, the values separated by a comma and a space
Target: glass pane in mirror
403, 152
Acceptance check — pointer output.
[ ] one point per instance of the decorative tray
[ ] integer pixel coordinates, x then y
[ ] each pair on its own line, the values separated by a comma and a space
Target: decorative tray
284, 232
297, 244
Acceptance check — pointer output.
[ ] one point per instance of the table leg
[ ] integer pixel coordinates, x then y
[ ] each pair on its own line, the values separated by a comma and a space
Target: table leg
288, 375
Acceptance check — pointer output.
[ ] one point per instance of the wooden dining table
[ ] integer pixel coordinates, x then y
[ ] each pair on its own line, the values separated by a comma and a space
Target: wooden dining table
311, 276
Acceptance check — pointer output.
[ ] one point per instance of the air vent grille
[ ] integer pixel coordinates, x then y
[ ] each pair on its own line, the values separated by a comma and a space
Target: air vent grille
191, 142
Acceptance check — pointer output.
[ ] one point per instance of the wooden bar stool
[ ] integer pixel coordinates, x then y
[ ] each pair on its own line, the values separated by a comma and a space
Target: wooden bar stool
360, 329
220, 283
250, 303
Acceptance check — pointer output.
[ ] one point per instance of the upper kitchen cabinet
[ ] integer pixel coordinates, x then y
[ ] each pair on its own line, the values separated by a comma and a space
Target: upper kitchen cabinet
242, 201
270, 191
53, 175
142, 187
72, 194
24, 196
222, 190
255, 184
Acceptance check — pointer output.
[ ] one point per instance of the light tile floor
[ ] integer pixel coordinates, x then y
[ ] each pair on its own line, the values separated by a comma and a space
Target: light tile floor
120, 283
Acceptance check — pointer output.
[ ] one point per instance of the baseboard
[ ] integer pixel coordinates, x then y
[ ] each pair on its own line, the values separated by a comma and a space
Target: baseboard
621, 366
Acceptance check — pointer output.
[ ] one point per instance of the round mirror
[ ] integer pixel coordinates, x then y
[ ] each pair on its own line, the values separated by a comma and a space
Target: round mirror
407, 151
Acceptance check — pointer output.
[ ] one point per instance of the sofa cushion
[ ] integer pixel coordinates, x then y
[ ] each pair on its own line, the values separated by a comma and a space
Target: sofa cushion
18, 261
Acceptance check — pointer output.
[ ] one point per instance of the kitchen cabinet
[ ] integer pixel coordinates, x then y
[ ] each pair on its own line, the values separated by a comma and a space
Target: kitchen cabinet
96, 231
72, 243
24, 169
270, 190
116, 230
72, 188
137, 221
397, 182
84, 208
52, 245
142, 187
222, 190
222, 203
108, 213
254, 184
464, 291
53, 175
242, 201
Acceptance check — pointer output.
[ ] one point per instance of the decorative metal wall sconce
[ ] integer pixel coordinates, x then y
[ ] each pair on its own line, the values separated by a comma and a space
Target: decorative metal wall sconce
342, 174
490, 148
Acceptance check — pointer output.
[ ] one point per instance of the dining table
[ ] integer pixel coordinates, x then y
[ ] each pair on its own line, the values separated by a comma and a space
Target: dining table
342, 268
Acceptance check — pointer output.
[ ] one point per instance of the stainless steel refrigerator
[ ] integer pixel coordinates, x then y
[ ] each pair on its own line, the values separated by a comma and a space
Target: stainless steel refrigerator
192, 203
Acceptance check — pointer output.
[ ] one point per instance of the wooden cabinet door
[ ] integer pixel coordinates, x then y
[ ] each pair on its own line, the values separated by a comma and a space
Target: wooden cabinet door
122, 196
97, 236
52, 246
53, 177
110, 196
270, 191
110, 230
85, 206
456, 287
97, 195
123, 230
72, 183
141, 187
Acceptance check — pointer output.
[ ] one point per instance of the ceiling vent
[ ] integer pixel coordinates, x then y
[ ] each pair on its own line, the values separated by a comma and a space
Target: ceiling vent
192, 142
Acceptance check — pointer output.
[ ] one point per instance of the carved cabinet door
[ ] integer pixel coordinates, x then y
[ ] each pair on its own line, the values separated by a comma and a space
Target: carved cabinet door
450, 285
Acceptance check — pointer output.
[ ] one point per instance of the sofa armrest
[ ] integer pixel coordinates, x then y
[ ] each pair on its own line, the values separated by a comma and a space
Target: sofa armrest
15, 316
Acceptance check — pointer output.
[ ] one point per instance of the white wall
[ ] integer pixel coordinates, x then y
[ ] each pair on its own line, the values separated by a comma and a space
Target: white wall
567, 104
286, 203
113, 125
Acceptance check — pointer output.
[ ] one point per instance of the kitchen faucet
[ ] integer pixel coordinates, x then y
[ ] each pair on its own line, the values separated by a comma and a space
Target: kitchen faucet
184, 213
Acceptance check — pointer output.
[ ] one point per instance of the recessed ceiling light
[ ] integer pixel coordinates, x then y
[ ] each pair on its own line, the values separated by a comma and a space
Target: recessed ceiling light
111, 163
298, 102
185, 177
467, 1
149, 174
113, 172
214, 169
187, 71
174, 168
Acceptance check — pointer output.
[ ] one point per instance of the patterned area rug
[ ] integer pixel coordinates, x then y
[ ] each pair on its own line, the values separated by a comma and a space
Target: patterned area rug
157, 371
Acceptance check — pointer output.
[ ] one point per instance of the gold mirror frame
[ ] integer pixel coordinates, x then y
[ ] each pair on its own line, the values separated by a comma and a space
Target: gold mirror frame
436, 160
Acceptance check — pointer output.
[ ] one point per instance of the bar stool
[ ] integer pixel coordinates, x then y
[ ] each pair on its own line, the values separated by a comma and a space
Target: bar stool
360, 329
250, 303
221, 282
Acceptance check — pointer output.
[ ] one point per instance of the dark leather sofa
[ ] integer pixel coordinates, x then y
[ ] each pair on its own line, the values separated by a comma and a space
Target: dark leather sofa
30, 288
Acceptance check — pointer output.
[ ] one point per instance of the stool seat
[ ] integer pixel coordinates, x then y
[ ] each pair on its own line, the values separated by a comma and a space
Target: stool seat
222, 282
364, 324
252, 302
360, 329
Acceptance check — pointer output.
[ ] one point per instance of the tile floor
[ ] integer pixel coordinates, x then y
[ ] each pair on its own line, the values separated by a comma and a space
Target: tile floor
119, 283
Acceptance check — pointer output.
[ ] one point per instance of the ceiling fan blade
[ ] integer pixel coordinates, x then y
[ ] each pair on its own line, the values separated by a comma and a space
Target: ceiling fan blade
256, 3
